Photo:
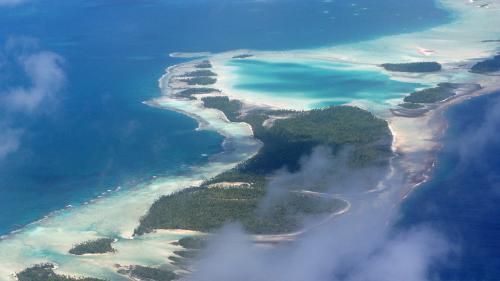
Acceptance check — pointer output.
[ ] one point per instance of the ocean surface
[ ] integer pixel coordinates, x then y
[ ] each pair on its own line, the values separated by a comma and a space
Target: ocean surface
98, 135
462, 199
329, 83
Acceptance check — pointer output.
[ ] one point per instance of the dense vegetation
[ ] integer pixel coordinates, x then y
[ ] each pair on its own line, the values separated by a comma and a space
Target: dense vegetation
194, 242
487, 66
242, 56
431, 95
204, 64
98, 246
411, 105
200, 80
188, 93
150, 273
290, 139
198, 73
231, 108
208, 207
45, 272
418, 67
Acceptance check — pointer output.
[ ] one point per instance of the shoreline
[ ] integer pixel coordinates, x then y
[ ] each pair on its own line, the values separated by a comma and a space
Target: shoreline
209, 119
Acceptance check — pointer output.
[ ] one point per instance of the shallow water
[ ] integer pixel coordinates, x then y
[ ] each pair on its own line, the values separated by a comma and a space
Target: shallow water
99, 135
321, 83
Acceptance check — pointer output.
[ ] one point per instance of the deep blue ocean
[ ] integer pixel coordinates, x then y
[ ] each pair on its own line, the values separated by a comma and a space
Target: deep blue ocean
462, 199
99, 135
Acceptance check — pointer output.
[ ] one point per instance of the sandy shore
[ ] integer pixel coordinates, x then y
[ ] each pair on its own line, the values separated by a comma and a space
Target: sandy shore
416, 139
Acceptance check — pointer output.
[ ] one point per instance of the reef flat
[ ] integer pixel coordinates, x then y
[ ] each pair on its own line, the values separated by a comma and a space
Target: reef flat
457, 47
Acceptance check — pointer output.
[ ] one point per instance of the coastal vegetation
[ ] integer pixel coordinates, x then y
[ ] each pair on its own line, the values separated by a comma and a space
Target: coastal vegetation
199, 80
289, 139
193, 242
417, 67
487, 66
207, 209
242, 56
188, 93
231, 108
204, 64
198, 73
98, 246
149, 273
45, 272
439, 93
236, 195
410, 105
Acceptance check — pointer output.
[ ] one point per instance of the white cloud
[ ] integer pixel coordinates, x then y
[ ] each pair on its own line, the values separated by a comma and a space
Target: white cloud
9, 140
361, 245
47, 78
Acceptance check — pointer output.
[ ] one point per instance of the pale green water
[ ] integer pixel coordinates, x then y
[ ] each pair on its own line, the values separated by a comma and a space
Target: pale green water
328, 83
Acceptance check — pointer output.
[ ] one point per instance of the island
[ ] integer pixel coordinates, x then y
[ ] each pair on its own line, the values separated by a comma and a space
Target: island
231, 108
439, 93
200, 80
234, 196
270, 135
189, 93
242, 56
45, 272
98, 246
410, 105
416, 67
487, 66
204, 64
198, 73
138, 272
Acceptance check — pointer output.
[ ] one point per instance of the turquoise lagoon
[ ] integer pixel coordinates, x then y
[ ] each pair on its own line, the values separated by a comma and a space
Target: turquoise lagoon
319, 84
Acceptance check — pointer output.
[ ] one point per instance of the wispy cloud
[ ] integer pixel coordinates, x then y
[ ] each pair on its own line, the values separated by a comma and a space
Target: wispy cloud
45, 75
44, 69
361, 245
9, 140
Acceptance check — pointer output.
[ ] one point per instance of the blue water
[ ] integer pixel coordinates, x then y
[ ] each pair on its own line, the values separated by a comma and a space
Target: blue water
462, 200
332, 83
98, 135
